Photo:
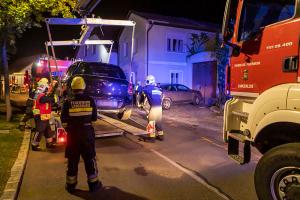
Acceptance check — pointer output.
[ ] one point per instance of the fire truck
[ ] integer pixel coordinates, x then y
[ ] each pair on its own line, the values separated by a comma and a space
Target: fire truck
263, 79
42, 67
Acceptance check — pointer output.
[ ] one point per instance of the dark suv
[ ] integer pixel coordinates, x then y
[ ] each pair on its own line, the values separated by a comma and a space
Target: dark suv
106, 84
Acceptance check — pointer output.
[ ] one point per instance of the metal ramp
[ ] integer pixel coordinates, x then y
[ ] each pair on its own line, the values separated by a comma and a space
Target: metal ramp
104, 129
123, 126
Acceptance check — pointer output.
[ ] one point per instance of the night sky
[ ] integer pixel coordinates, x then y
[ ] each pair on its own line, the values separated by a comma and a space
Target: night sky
32, 42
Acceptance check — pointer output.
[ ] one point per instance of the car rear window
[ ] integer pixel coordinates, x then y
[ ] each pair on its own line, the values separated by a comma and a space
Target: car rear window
101, 70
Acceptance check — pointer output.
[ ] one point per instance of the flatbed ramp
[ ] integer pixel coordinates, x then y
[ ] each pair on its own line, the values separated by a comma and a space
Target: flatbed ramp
121, 125
104, 129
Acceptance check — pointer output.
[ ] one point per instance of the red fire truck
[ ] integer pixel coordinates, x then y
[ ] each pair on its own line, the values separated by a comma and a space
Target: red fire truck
41, 68
263, 79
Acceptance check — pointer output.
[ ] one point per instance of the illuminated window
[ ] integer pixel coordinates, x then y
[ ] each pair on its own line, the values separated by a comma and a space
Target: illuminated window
174, 45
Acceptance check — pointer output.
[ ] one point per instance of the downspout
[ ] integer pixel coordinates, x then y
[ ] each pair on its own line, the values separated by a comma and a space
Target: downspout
149, 29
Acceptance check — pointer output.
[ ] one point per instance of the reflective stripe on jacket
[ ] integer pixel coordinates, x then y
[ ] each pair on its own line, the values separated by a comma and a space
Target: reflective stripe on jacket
45, 109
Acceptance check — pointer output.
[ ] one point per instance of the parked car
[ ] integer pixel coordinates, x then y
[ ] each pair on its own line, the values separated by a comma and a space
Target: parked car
106, 84
177, 94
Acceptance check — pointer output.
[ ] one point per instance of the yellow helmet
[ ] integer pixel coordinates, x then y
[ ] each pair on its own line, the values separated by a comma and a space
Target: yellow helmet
43, 81
78, 83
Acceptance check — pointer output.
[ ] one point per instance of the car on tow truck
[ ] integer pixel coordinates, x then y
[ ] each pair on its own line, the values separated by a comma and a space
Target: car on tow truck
106, 84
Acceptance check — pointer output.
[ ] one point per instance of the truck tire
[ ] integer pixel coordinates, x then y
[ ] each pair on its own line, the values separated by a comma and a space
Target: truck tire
277, 174
125, 115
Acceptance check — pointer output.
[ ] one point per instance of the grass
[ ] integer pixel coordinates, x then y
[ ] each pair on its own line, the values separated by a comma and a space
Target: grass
9, 147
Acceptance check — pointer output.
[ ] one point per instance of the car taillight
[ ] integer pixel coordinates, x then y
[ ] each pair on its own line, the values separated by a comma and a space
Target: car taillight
61, 136
130, 88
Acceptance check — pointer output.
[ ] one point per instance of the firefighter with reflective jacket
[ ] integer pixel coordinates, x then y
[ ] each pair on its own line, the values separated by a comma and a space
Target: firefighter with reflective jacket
77, 115
153, 95
42, 113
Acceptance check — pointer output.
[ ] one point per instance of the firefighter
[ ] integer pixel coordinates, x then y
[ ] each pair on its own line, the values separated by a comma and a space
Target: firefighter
77, 114
153, 95
42, 114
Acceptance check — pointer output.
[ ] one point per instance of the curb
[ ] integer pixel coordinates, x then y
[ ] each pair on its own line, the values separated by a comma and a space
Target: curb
13, 184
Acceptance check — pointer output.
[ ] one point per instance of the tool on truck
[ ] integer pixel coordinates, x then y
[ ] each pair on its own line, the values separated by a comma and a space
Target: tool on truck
263, 79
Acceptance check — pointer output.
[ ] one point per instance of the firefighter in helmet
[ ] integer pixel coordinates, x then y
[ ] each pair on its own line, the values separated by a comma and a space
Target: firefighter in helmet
77, 115
42, 114
153, 95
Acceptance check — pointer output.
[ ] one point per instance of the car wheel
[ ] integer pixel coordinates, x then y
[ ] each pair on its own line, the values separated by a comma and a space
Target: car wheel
125, 115
166, 104
196, 100
277, 175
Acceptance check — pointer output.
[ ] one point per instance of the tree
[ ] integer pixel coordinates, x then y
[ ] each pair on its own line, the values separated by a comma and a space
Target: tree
16, 16
198, 43
222, 56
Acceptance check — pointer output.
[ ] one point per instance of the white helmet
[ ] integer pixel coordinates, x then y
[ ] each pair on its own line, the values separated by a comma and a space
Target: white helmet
150, 80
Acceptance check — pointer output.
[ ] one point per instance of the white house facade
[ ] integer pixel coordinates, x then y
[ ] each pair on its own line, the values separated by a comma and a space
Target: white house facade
97, 53
161, 48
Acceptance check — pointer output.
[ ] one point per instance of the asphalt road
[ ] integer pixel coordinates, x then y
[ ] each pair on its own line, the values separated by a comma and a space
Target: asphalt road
190, 164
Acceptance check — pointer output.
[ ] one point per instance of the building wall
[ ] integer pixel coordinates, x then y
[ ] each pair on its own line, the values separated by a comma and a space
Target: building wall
139, 53
94, 53
162, 61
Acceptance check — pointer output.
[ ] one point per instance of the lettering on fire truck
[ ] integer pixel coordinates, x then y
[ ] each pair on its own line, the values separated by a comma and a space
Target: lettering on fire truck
247, 64
277, 46
245, 85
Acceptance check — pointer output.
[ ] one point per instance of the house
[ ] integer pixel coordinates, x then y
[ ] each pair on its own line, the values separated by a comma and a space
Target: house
161, 48
97, 53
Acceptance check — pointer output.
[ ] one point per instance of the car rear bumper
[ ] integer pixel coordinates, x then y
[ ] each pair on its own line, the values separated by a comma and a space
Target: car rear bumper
113, 105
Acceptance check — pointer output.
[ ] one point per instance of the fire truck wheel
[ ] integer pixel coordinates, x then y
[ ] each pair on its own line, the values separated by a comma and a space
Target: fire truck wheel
125, 115
166, 104
277, 175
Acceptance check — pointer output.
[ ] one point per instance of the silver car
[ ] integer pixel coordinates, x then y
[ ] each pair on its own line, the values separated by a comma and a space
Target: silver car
179, 94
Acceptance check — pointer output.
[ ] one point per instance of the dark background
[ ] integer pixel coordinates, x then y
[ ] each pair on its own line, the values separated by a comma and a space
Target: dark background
32, 41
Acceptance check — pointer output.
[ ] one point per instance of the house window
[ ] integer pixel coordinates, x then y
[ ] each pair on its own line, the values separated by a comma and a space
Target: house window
176, 77
85, 50
125, 49
94, 49
174, 45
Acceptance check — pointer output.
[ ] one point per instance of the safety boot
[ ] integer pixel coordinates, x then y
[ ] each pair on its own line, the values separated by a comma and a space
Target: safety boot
94, 186
50, 145
70, 187
160, 137
35, 148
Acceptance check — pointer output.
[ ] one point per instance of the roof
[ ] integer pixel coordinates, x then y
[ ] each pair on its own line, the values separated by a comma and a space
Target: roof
180, 22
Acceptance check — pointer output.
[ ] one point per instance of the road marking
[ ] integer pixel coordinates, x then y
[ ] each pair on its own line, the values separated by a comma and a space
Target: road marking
192, 175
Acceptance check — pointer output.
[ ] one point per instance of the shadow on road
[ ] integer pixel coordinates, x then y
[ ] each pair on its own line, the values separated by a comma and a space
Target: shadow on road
111, 193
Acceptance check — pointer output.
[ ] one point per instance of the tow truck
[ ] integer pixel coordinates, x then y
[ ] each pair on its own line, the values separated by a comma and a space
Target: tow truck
263, 79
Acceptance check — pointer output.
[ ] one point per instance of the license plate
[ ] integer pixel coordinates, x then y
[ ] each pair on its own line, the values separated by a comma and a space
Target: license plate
104, 103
